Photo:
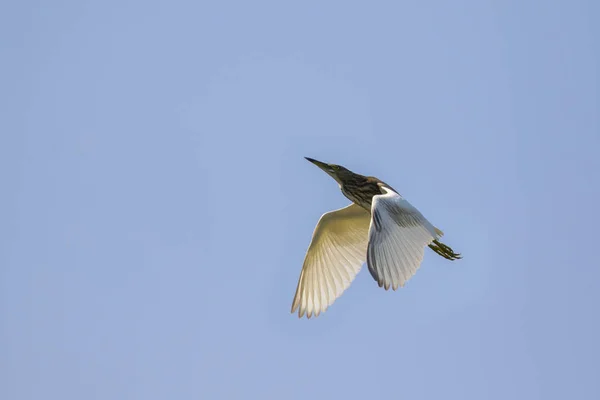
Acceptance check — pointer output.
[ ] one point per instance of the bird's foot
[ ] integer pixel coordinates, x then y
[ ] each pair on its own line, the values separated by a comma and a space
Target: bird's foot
444, 250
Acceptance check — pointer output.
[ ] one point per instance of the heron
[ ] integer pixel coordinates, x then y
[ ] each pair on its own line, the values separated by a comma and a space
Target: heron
379, 227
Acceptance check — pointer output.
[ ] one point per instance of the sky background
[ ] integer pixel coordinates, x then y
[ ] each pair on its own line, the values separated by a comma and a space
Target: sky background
156, 206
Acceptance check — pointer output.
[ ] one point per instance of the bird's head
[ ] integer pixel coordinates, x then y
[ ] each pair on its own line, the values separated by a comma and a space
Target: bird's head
337, 172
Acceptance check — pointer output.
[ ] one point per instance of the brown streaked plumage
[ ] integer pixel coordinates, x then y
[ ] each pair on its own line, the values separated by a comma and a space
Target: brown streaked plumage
379, 227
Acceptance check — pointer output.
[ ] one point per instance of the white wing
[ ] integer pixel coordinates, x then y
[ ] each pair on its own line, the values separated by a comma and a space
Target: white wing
397, 238
335, 255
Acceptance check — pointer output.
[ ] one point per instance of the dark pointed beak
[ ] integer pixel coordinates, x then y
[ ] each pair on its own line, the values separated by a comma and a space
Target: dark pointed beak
326, 168
319, 164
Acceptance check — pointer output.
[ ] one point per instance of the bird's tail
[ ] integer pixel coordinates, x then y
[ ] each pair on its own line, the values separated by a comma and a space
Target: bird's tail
444, 250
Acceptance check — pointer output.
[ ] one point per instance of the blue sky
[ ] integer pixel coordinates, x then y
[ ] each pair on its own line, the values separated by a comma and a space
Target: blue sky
156, 205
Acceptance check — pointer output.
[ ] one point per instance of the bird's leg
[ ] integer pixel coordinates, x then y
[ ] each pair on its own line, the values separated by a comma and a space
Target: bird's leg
444, 250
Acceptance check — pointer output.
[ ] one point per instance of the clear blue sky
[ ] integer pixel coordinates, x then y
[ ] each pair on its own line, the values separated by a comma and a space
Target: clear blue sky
156, 205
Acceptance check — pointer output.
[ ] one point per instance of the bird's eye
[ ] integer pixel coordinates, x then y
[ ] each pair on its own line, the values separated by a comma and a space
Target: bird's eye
335, 167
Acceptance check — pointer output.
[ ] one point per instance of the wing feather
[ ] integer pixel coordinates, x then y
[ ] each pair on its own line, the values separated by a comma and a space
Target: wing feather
398, 235
335, 255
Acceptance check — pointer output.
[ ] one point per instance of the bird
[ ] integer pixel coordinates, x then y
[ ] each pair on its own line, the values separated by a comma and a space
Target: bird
379, 227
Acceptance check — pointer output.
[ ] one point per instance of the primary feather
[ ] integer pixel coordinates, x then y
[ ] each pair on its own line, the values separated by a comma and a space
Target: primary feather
397, 238
334, 257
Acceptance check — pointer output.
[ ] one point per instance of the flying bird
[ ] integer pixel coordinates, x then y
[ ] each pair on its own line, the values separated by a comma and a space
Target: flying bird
379, 227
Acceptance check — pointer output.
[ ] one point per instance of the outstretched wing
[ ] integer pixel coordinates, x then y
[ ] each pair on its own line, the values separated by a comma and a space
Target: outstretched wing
397, 238
335, 255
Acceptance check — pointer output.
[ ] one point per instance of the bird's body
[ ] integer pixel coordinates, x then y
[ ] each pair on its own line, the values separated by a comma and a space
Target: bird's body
379, 227
361, 192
